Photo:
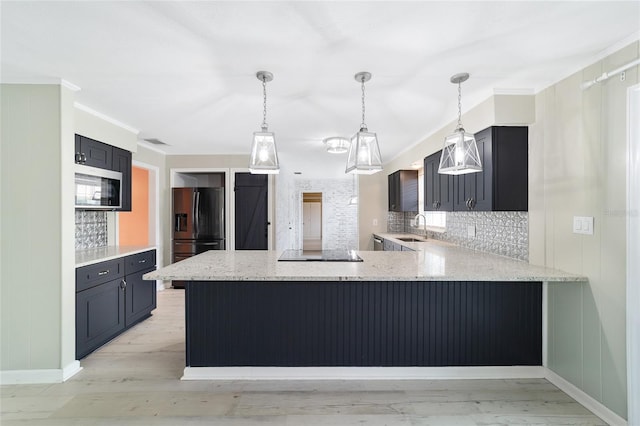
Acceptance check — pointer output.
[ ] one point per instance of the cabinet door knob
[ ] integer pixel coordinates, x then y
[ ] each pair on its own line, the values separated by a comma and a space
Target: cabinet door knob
472, 203
78, 157
435, 205
123, 284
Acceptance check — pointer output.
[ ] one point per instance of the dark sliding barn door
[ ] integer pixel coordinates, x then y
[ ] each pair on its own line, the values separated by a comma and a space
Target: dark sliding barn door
252, 226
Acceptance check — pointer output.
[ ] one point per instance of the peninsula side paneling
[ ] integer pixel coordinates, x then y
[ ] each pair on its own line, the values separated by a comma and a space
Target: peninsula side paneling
354, 323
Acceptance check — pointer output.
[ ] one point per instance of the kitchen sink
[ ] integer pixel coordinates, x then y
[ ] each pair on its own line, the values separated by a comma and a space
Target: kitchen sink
411, 240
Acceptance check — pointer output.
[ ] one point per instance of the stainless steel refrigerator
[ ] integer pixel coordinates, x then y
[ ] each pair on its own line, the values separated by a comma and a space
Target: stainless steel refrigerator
198, 222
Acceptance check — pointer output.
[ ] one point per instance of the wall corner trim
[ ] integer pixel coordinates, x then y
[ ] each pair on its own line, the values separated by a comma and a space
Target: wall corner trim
26, 377
593, 405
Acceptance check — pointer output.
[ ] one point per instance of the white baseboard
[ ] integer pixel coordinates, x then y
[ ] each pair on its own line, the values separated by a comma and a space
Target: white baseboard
361, 373
53, 375
593, 405
71, 370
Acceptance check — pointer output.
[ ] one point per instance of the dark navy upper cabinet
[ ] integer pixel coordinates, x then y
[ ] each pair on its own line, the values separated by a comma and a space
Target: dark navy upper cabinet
93, 153
503, 183
438, 189
501, 186
122, 163
403, 191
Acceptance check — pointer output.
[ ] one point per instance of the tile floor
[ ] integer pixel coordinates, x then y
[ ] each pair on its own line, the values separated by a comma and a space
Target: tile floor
134, 380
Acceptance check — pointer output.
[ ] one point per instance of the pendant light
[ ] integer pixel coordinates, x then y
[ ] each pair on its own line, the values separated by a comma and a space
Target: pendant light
460, 150
364, 153
264, 157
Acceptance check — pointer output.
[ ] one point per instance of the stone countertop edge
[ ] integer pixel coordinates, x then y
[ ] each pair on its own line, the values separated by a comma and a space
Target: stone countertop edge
100, 254
437, 262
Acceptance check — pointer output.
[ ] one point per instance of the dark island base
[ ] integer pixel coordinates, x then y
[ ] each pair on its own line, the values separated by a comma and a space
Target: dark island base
363, 323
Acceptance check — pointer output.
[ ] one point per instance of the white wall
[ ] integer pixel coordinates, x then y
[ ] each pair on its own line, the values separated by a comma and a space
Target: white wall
577, 164
37, 225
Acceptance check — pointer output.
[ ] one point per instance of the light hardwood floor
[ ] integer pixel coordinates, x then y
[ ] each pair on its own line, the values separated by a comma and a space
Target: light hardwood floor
134, 379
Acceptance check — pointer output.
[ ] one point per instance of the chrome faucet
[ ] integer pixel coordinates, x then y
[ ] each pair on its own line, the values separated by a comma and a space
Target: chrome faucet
416, 222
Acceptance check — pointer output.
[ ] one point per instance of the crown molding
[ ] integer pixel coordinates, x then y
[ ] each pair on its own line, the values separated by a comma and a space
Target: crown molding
70, 86
105, 117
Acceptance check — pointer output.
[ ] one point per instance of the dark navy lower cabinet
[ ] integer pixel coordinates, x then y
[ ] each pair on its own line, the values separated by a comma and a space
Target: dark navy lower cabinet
99, 316
353, 323
116, 298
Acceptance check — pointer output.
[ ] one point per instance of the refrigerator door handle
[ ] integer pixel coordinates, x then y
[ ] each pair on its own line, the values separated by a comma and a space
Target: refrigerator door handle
180, 222
196, 216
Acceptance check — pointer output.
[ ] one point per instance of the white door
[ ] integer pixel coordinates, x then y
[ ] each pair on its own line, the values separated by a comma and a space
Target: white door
312, 226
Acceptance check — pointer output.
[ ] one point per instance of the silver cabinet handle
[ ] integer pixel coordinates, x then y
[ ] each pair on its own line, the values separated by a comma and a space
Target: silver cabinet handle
142, 261
123, 285
472, 203
101, 273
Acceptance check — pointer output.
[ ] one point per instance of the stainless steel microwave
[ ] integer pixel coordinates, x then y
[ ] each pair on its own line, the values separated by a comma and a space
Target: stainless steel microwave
97, 189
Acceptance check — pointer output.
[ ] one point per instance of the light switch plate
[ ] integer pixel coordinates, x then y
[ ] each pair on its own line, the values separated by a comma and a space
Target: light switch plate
583, 225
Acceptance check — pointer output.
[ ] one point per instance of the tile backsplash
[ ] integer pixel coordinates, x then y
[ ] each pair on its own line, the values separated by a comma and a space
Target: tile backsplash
91, 229
503, 233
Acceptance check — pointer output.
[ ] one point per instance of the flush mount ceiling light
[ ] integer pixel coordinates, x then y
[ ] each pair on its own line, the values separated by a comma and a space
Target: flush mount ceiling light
264, 157
460, 151
364, 153
336, 145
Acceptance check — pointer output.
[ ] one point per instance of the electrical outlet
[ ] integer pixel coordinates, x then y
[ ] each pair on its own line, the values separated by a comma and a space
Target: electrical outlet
583, 225
471, 231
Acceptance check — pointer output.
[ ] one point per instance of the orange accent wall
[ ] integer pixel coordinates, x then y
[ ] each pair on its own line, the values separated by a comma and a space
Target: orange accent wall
134, 225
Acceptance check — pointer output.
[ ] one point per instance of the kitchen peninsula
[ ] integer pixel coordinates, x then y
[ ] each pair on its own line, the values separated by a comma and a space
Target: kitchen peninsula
440, 306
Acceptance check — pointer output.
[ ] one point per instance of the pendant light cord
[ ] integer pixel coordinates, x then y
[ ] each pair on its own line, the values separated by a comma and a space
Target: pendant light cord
264, 104
459, 106
363, 125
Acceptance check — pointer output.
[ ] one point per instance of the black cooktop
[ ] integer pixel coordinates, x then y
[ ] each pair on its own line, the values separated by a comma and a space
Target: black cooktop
320, 256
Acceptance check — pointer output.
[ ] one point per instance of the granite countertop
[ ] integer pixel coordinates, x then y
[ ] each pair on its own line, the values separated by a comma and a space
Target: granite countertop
436, 261
99, 254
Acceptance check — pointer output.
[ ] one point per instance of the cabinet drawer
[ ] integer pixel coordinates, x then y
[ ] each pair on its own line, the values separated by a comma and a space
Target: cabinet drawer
140, 261
92, 275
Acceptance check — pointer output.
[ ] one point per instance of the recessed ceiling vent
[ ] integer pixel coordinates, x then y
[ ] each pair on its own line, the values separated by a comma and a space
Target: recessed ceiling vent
155, 141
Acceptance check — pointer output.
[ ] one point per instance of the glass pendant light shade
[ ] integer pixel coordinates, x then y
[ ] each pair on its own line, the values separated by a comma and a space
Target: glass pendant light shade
460, 154
364, 154
264, 156
460, 151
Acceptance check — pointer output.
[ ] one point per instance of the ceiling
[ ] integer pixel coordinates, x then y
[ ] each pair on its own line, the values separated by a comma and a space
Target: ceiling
184, 72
